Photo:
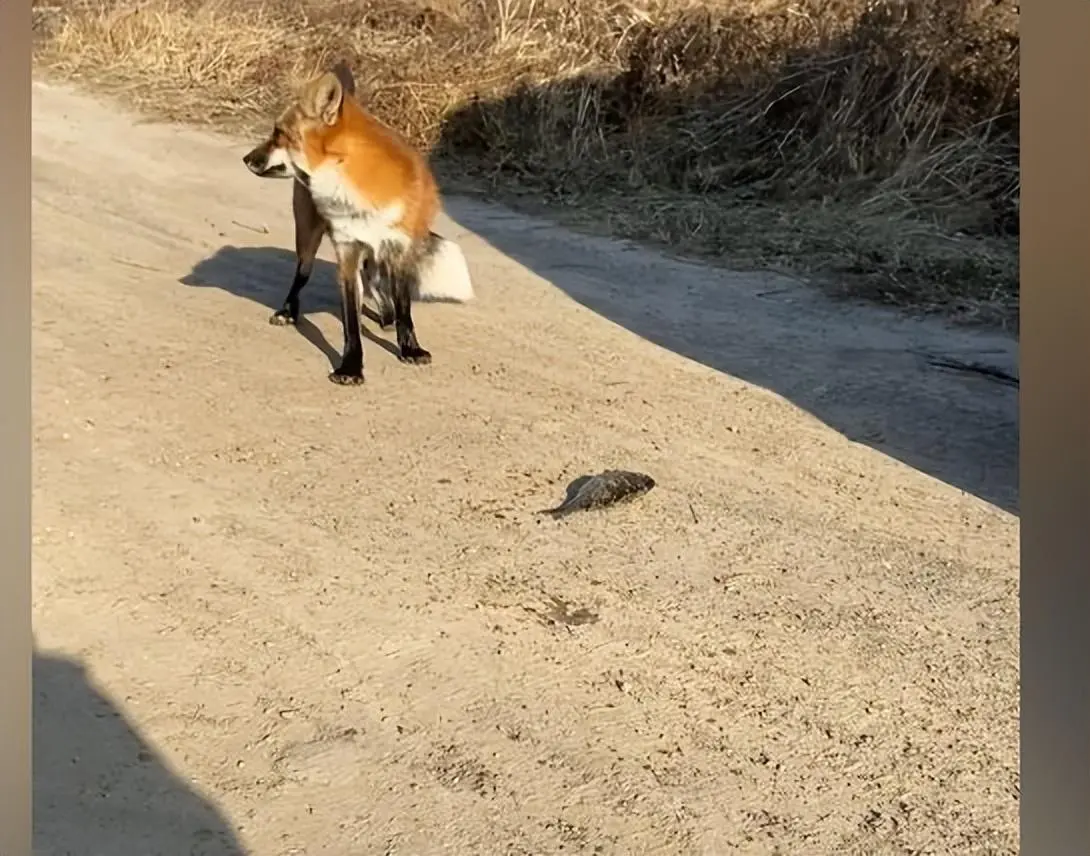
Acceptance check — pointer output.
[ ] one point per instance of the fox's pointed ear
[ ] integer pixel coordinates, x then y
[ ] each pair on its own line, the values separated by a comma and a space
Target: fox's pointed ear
326, 96
344, 75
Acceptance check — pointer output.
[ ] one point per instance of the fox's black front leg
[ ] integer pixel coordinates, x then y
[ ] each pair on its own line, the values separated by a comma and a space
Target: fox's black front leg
350, 371
310, 227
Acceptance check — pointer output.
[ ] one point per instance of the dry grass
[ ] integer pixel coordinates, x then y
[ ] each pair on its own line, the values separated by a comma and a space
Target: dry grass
872, 144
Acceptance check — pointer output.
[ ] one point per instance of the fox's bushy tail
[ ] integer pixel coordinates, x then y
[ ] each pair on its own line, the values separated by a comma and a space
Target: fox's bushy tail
444, 273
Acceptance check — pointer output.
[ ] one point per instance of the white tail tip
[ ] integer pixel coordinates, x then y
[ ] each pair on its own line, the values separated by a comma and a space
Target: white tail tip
444, 275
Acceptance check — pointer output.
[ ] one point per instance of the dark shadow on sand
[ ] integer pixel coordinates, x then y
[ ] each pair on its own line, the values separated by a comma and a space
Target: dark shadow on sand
896, 403
264, 274
921, 423
912, 411
100, 789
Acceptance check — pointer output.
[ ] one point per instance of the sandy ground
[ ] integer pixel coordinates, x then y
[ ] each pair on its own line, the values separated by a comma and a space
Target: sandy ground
278, 616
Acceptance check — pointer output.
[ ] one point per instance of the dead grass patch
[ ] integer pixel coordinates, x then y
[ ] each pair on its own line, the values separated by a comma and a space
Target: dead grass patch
873, 145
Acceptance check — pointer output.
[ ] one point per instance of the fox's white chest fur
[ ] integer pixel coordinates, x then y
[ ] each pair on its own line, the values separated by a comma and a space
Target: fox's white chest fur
351, 216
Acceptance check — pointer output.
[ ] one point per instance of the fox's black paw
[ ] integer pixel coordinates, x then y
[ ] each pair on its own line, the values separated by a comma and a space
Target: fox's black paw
346, 379
415, 356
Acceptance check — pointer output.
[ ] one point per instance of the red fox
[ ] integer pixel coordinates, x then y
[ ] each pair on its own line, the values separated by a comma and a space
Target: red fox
375, 196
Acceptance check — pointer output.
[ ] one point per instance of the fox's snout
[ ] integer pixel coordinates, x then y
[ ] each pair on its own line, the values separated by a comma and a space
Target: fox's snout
266, 162
257, 161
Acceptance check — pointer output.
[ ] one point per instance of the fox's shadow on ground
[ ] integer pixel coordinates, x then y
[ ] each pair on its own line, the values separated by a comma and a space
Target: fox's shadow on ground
100, 789
264, 275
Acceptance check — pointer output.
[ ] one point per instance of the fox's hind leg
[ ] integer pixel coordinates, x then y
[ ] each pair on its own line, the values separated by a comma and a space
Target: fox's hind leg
310, 227
376, 285
399, 272
384, 298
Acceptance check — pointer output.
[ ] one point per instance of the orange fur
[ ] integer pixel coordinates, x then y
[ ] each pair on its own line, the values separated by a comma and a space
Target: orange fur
382, 166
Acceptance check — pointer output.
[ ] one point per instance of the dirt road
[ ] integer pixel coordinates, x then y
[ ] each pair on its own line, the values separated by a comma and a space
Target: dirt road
278, 616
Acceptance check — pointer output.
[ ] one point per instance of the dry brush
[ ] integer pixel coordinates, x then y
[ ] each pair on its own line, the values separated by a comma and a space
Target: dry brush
873, 145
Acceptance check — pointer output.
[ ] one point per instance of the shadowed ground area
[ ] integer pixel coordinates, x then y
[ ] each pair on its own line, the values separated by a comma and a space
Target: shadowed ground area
914, 390
99, 788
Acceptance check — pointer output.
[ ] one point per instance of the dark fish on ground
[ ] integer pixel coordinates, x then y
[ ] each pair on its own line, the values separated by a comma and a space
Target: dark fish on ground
606, 488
